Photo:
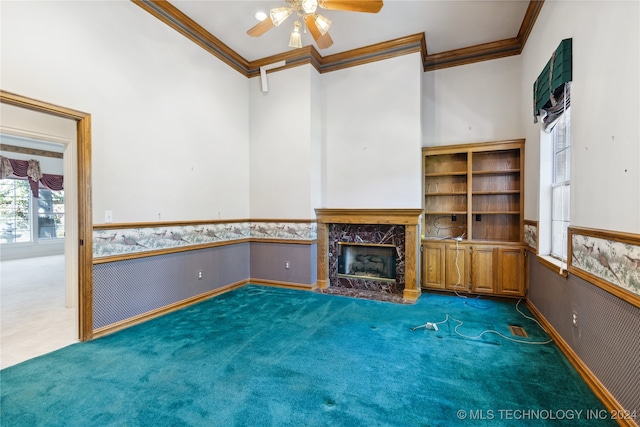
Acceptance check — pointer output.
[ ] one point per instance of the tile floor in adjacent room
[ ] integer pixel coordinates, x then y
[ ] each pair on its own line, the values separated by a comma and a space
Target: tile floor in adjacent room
33, 316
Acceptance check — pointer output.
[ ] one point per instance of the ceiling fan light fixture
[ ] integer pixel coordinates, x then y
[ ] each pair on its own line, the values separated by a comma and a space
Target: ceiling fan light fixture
316, 24
260, 16
309, 6
295, 40
322, 23
279, 14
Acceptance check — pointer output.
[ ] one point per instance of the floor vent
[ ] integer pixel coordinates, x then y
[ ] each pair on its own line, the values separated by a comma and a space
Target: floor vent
518, 331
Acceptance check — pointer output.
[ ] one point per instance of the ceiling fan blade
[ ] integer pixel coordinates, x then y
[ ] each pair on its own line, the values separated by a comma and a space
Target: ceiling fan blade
322, 41
261, 27
369, 6
325, 41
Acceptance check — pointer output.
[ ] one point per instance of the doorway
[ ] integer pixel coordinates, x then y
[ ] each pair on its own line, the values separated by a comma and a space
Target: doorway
38, 289
78, 239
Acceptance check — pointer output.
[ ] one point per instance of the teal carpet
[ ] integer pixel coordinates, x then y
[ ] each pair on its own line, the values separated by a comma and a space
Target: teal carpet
261, 356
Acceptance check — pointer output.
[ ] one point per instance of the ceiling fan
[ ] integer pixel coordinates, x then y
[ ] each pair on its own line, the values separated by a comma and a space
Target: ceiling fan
317, 24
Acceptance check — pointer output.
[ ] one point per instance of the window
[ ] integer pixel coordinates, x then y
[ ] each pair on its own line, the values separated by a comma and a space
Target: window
15, 209
560, 188
50, 214
21, 222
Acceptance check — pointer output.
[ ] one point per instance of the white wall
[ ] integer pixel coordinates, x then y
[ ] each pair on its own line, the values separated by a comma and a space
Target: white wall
372, 135
169, 121
318, 158
605, 109
283, 133
472, 103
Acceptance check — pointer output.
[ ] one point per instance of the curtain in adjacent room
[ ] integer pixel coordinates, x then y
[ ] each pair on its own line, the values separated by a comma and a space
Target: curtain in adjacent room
30, 170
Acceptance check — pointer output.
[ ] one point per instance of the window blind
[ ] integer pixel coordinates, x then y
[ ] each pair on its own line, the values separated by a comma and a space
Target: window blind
548, 88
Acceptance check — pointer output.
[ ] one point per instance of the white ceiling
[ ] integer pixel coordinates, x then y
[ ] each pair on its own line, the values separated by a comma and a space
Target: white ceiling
447, 24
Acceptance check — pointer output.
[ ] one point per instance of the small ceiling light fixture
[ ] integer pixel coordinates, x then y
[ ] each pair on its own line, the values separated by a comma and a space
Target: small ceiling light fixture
322, 23
260, 16
279, 14
309, 6
295, 40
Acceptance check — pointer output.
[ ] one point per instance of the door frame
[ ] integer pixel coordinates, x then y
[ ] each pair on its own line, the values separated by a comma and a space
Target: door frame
85, 225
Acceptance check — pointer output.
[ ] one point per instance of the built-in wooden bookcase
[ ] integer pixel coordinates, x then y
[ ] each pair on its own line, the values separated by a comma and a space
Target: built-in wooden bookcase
496, 195
474, 190
473, 193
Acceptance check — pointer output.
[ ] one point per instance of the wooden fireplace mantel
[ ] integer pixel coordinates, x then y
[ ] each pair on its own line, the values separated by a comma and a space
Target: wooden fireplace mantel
369, 216
410, 218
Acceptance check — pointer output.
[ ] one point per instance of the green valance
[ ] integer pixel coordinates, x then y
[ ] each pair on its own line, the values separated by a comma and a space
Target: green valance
549, 85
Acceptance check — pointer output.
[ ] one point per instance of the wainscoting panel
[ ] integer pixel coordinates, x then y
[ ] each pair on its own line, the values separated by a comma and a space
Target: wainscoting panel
129, 288
268, 262
606, 334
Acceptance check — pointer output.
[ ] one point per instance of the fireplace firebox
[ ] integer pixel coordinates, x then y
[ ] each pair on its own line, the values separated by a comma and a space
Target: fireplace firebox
367, 261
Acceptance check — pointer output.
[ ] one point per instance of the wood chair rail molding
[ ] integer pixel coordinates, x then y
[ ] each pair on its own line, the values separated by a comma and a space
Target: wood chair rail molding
173, 17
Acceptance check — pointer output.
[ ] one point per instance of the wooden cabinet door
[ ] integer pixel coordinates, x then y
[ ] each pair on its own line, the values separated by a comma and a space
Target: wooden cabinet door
457, 268
433, 272
484, 269
511, 271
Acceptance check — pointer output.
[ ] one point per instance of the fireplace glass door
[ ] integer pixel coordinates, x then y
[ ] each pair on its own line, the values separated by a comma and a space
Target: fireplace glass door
377, 261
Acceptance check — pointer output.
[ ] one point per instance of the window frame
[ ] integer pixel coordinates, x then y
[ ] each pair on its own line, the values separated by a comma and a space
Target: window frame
560, 216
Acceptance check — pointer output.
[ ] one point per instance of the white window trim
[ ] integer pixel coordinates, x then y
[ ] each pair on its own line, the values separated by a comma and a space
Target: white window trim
545, 205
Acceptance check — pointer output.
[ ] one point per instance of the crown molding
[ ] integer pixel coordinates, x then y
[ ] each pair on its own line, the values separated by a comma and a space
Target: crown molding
172, 16
375, 52
293, 58
487, 51
468, 55
528, 21
339, 61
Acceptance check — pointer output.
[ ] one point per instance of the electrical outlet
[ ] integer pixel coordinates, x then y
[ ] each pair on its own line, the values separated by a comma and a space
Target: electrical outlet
287, 265
199, 274
108, 216
574, 319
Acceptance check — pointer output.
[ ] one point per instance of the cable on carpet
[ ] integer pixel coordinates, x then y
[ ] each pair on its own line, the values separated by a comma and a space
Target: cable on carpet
434, 326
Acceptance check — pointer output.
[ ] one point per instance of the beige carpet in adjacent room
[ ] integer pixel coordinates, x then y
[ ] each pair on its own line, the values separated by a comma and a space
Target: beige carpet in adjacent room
34, 319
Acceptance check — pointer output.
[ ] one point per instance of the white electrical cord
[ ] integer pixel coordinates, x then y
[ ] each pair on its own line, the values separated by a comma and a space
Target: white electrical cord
434, 326
458, 283
436, 225
458, 271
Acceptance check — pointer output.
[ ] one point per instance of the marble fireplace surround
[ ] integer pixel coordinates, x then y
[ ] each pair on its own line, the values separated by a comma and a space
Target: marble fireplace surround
399, 225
